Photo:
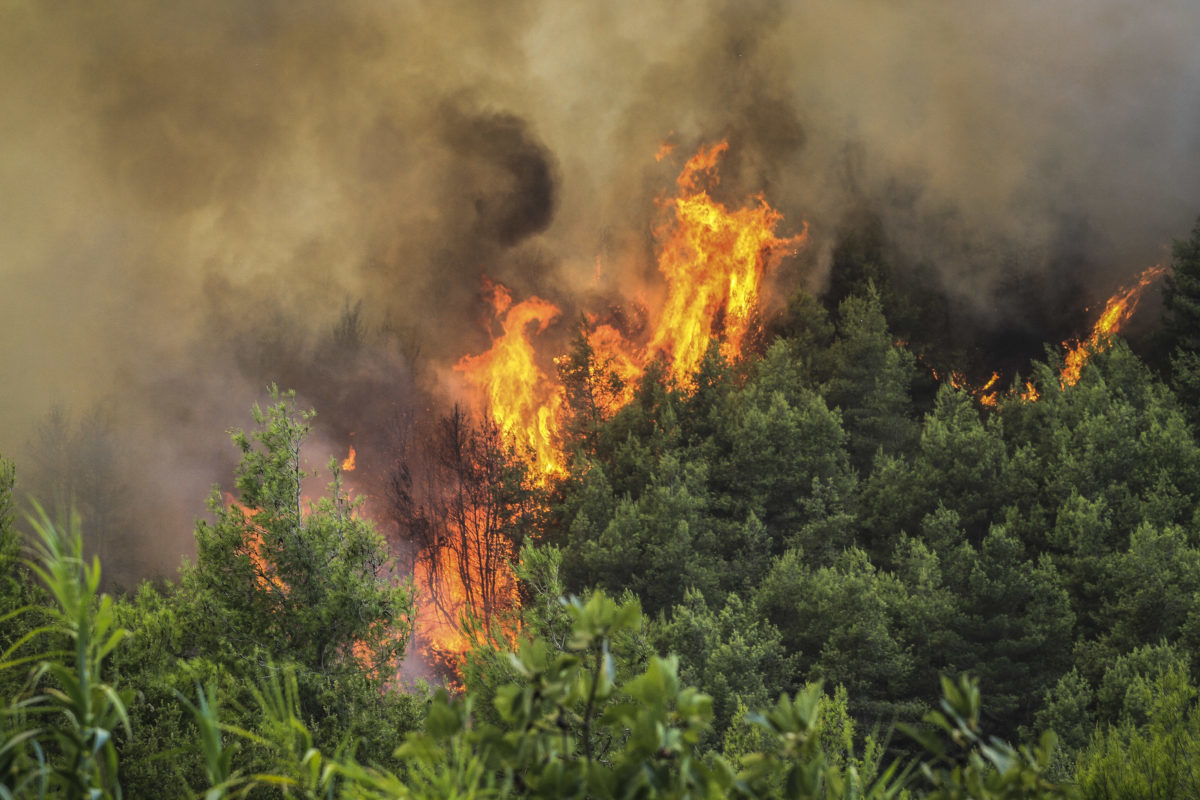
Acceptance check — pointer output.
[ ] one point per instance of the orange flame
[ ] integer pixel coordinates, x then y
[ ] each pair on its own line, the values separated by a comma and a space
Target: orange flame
348, 461
266, 576
986, 393
1117, 311
519, 397
264, 571
713, 260
612, 357
444, 601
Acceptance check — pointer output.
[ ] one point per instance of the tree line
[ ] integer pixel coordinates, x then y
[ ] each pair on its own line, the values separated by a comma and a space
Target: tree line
786, 566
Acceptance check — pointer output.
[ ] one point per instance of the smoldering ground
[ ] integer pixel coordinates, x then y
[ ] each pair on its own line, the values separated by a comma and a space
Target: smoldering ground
198, 195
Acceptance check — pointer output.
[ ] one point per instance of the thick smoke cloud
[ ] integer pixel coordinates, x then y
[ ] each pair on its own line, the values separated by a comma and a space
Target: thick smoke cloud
202, 197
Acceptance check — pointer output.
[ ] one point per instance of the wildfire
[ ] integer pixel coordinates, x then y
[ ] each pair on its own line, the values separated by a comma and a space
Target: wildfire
266, 576
611, 356
348, 461
1117, 311
447, 600
713, 261
987, 392
444, 602
517, 393
264, 571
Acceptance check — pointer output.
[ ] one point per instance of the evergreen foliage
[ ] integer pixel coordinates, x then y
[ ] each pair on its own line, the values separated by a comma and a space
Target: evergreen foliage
779, 564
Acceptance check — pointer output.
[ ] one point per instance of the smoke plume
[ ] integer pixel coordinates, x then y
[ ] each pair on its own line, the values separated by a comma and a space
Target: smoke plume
205, 197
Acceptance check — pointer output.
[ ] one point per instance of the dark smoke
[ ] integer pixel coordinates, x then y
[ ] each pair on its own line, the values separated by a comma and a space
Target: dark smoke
204, 197
519, 202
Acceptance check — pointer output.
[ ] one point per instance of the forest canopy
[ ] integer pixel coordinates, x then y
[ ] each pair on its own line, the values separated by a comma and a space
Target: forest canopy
810, 568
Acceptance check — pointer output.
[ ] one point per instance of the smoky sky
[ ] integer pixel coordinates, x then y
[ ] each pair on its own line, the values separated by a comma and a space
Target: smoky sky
195, 193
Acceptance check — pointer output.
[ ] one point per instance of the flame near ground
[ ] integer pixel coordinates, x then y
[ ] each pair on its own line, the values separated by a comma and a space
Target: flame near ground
711, 261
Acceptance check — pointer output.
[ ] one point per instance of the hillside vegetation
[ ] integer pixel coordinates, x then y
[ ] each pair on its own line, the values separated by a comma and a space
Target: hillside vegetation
815, 572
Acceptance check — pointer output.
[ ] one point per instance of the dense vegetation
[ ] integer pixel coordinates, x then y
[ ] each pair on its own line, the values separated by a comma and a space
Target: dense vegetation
786, 567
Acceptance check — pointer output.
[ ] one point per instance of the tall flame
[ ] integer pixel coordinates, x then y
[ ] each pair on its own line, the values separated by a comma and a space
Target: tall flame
713, 260
517, 393
1117, 311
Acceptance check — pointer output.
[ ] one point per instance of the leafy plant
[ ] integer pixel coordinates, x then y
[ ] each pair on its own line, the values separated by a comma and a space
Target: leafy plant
58, 735
965, 764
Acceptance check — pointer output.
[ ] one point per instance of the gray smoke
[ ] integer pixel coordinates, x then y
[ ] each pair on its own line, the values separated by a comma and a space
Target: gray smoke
202, 197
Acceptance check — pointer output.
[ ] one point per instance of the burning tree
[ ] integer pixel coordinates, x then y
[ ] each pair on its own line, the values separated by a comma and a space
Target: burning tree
298, 579
463, 499
597, 379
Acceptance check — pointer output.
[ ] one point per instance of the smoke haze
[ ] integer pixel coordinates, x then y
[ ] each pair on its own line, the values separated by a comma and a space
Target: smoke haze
203, 197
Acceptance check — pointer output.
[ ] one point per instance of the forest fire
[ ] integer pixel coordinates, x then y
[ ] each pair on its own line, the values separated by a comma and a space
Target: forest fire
516, 392
611, 356
712, 261
445, 602
266, 572
458, 591
463, 528
265, 575
1117, 311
